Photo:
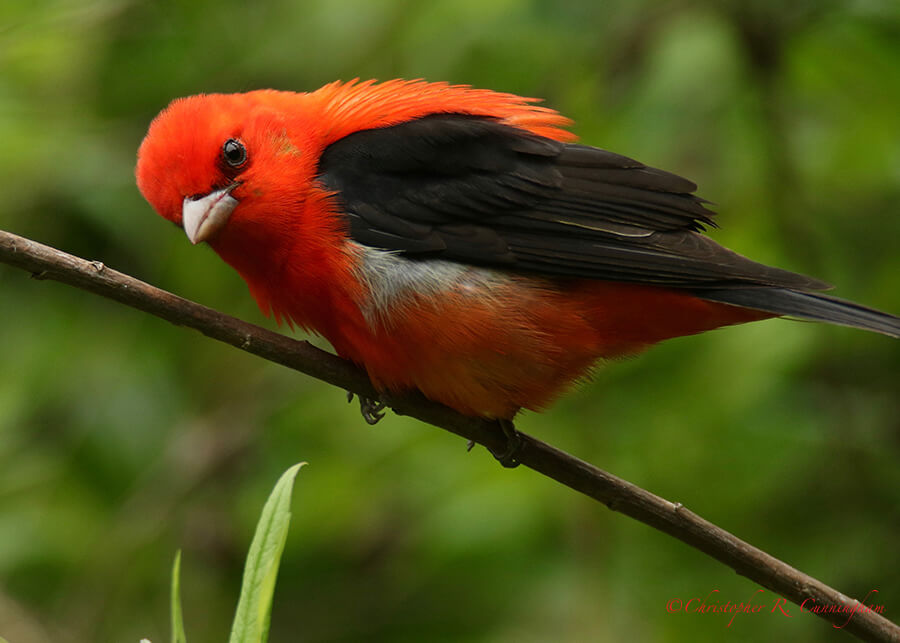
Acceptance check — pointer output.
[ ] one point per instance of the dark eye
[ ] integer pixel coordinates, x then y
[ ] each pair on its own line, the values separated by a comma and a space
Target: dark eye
234, 153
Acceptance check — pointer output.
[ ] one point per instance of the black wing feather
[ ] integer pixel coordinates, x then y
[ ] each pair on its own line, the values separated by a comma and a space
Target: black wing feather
475, 190
422, 186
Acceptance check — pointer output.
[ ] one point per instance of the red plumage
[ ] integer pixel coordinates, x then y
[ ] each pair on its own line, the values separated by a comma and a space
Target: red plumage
438, 301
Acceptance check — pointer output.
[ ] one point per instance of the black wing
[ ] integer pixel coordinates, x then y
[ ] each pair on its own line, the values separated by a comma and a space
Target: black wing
478, 191
474, 190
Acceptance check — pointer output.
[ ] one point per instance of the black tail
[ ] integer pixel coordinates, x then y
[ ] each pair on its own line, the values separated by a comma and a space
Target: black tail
807, 305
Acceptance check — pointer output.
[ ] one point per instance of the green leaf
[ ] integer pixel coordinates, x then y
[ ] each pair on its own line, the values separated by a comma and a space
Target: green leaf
178, 635
251, 619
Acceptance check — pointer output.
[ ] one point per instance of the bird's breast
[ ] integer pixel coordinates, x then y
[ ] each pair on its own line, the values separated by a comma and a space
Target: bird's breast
484, 341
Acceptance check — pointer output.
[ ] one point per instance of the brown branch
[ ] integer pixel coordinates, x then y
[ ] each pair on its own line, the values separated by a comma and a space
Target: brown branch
619, 495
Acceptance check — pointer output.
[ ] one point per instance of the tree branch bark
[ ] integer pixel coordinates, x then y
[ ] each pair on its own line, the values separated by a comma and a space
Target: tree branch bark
619, 495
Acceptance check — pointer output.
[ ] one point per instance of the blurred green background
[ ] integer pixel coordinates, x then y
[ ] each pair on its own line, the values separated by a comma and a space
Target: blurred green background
123, 438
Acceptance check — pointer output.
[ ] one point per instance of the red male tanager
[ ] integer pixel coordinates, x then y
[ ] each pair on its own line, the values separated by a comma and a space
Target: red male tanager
454, 240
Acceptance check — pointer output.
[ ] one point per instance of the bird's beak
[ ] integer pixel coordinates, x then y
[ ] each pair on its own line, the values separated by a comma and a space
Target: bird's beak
203, 217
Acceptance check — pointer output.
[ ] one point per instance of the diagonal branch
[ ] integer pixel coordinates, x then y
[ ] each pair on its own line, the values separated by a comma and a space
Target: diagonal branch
619, 495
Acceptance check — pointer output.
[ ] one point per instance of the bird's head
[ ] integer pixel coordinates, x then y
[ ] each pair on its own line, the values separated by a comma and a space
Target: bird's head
224, 166
238, 171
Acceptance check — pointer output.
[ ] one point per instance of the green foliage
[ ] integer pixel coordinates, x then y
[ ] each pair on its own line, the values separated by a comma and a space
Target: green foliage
254, 609
251, 619
122, 438
178, 635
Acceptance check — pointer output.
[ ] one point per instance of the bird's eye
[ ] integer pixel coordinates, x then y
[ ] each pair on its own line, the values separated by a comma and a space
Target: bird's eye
234, 153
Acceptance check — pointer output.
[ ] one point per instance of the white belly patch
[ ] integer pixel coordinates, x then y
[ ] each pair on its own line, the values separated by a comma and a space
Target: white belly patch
392, 280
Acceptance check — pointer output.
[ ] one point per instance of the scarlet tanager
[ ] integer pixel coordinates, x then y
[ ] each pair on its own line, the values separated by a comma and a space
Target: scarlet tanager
454, 240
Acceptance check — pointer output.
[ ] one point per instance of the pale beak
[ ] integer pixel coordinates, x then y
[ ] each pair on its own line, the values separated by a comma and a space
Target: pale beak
202, 218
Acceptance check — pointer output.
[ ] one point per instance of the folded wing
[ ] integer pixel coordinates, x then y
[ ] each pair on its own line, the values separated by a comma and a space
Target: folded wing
475, 190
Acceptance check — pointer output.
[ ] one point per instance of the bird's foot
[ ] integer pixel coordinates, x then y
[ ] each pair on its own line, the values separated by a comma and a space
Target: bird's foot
372, 410
506, 457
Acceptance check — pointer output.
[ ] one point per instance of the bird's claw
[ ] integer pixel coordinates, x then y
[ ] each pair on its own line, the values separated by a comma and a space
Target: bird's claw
372, 410
506, 457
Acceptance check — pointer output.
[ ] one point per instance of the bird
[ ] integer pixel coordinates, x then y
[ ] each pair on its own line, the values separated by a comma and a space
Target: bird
456, 241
